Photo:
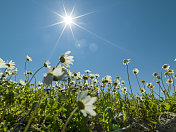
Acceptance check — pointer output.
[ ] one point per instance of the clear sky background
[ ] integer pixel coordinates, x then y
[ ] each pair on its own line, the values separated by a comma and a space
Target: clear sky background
142, 30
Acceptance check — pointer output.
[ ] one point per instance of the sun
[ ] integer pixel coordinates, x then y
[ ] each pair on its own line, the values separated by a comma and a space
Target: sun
68, 20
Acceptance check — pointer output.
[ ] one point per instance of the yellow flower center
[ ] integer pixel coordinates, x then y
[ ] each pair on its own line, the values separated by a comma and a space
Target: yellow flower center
80, 105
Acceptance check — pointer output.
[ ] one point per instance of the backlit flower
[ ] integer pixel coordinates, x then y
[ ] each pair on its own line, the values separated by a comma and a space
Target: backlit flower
126, 61
46, 64
124, 90
166, 67
169, 81
2, 63
142, 90
85, 103
108, 79
135, 71
65, 59
10, 65
155, 74
87, 71
28, 58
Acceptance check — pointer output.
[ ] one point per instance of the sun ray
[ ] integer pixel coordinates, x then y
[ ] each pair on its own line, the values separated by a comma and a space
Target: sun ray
72, 33
61, 32
99, 37
73, 9
58, 23
57, 14
64, 8
84, 15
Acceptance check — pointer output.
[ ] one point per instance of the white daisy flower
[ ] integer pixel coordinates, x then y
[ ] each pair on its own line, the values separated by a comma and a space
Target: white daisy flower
14, 72
142, 90
65, 59
135, 71
108, 79
10, 65
48, 78
59, 73
126, 61
169, 81
165, 67
2, 63
28, 58
175, 59
87, 71
21, 82
122, 82
116, 82
124, 90
85, 103
46, 64
97, 75
92, 76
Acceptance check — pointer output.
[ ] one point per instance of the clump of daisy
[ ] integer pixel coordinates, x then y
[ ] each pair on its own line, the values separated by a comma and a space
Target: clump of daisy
150, 85
126, 61
165, 67
85, 103
135, 71
65, 59
28, 58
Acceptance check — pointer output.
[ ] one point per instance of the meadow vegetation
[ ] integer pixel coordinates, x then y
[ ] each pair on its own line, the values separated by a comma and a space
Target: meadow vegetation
71, 101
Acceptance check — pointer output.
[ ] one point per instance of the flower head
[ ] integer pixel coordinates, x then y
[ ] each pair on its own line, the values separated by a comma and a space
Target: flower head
155, 74
28, 58
142, 90
46, 64
124, 90
65, 59
87, 71
85, 103
126, 61
59, 73
166, 67
169, 81
21, 82
108, 79
135, 71
10, 65
2, 63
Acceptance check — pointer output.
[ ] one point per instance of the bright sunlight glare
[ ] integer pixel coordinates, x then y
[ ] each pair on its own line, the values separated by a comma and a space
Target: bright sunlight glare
68, 20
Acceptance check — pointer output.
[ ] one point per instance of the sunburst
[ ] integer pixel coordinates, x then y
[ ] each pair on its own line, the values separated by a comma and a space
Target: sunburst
68, 20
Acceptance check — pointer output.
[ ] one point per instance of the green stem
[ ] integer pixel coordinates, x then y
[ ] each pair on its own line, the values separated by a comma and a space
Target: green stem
129, 80
35, 73
65, 125
137, 81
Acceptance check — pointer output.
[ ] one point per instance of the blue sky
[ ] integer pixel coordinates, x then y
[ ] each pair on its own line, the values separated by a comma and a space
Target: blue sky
145, 31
